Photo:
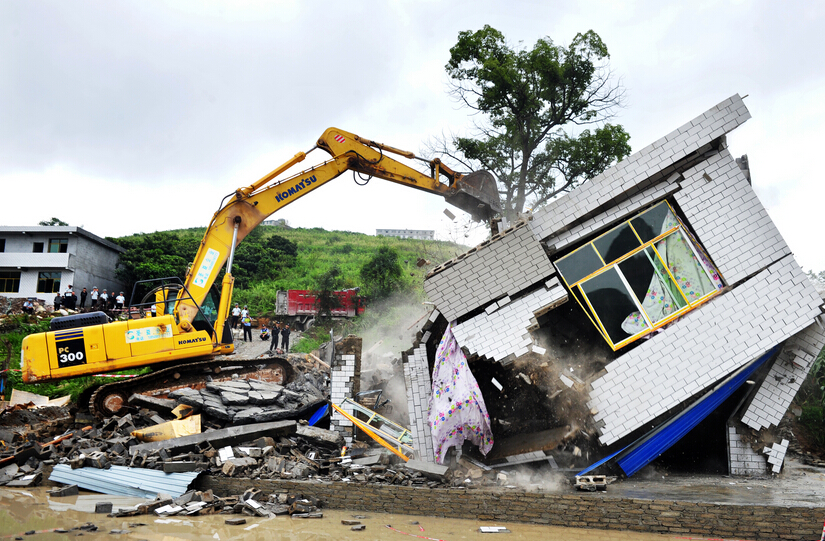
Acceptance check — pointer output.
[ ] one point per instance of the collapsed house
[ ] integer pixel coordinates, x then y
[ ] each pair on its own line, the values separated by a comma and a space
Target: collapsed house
654, 311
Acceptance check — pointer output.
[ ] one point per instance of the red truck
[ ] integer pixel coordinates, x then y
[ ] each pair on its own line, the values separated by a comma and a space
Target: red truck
302, 304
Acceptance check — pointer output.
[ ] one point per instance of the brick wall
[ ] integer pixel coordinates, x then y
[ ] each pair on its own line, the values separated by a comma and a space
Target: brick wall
597, 510
345, 382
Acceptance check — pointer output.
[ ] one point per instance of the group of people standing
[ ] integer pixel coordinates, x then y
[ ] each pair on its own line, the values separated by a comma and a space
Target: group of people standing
282, 330
241, 315
99, 301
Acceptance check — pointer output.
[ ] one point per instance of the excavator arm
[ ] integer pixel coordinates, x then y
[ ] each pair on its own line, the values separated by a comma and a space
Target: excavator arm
475, 193
85, 344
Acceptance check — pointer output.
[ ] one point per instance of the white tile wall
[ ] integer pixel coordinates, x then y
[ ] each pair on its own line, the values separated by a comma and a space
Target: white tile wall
729, 219
776, 455
419, 386
743, 459
775, 394
614, 215
703, 347
637, 168
504, 265
503, 331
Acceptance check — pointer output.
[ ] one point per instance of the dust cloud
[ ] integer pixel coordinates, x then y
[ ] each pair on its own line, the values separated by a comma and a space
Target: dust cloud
533, 480
391, 330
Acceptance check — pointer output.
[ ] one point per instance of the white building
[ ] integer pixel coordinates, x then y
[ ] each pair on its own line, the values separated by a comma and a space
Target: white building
420, 234
39, 261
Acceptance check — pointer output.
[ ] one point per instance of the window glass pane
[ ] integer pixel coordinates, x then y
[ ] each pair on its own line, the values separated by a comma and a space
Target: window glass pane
58, 246
654, 222
616, 243
37, 248
48, 282
612, 303
9, 281
652, 287
686, 269
579, 264
2, 245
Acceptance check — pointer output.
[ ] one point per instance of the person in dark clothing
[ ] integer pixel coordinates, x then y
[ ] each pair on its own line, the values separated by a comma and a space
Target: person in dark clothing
285, 338
69, 298
276, 334
247, 328
83, 294
58, 300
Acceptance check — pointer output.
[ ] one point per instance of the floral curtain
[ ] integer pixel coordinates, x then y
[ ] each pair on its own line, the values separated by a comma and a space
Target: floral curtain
457, 410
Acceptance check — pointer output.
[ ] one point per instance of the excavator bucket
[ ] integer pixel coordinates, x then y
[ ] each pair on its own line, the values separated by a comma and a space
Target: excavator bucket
477, 195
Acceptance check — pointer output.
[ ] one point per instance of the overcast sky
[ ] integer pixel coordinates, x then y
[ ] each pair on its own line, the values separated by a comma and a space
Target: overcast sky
126, 117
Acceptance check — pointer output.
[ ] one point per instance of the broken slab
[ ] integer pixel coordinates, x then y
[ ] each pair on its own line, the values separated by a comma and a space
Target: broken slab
234, 435
320, 436
428, 469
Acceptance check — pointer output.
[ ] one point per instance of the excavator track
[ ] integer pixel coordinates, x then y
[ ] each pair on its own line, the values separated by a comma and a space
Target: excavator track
110, 398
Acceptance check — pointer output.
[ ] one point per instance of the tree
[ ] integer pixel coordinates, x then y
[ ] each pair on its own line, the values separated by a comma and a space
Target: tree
325, 288
163, 254
531, 102
53, 221
381, 275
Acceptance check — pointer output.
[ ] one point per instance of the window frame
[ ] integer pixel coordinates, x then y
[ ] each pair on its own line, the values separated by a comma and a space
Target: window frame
15, 281
61, 243
698, 253
36, 245
45, 280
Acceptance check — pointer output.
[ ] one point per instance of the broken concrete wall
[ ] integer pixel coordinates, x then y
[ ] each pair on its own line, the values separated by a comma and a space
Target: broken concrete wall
743, 460
501, 332
497, 290
419, 385
345, 382
773, 397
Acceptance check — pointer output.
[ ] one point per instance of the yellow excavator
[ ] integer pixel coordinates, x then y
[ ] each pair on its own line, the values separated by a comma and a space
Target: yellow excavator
190, 332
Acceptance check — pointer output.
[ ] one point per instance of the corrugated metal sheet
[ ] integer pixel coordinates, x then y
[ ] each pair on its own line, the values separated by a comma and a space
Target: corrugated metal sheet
660, 440
122, 481
595, 465
650, 446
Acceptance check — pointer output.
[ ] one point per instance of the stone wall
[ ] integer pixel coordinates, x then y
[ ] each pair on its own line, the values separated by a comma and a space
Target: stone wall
596, 510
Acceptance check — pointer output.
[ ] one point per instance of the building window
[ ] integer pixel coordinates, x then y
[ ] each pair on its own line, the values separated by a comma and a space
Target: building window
37, 248
2, 245
48, 282
9, 281
58, 246
639, 276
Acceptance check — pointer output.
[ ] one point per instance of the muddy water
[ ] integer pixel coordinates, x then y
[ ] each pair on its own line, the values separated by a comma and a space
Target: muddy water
32, 509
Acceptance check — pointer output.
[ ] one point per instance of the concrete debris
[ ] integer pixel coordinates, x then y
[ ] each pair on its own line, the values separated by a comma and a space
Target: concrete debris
592, 483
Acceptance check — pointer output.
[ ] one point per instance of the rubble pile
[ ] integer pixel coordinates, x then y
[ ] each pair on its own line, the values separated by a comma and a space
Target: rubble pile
252, 502
250, 401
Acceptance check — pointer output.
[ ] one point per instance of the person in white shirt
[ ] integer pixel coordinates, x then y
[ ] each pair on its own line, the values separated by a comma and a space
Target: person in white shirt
120, 300
104, 298
95, 295
236, 315
244, 312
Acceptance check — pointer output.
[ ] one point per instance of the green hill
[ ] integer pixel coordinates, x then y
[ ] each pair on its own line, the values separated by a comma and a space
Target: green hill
167, 253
